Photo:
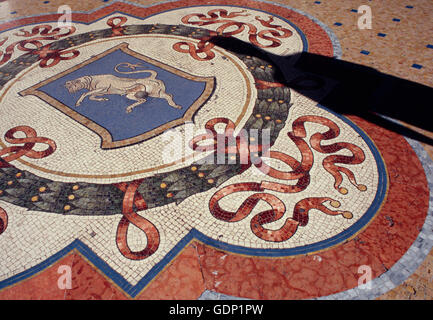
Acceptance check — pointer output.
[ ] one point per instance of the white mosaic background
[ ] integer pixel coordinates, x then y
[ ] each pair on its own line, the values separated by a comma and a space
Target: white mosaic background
37, 236
78, 148
321, 226
289, 45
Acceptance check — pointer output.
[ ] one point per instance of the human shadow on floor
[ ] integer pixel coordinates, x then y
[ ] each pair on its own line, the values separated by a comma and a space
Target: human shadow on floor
358, 90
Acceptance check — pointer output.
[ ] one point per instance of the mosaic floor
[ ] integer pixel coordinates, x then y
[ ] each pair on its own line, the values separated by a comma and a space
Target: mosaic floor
216, 149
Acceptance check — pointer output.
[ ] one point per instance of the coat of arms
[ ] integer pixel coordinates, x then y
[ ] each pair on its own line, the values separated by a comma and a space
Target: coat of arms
125, 97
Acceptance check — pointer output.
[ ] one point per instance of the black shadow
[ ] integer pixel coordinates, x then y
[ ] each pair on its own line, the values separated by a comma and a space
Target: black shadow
358, 90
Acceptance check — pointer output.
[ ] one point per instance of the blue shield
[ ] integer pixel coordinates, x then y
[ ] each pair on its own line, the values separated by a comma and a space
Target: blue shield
109, 118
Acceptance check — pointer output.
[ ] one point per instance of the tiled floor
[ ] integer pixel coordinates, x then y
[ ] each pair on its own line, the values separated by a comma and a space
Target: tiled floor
179, 149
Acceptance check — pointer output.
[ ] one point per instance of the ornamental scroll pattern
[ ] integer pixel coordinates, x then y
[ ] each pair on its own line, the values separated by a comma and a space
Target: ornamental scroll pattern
48, 57
270, 112
17, 151
300, 173
203, 50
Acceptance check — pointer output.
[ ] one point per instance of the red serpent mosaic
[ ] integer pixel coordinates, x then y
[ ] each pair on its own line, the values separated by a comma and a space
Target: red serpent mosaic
3, 220
132, 197
221, 16
48, 57
238, 145
29, 142
116, 28
300, 172
234, 145
15, 152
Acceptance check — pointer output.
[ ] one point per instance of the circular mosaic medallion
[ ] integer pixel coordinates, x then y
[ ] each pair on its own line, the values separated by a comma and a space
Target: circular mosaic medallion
143, 132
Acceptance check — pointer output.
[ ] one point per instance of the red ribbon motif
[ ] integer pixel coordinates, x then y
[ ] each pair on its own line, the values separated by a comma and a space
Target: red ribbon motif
47, 56
133, 197
29, 141
221, 16
116, 28
300, 172
3, 220
15, 152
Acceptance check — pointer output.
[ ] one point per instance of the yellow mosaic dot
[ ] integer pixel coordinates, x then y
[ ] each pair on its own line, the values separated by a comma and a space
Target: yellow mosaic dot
262, 67
194, 168
67, 207
71, 197
169, 195
210, 181
10, 183
42, 189
252, 139
335, 203
19, 174
267, 118
280, 101
269, 100
201, 174
347, 215
258, 115
362, 187
35, 198
343, 191
1, 192
278, 121
163, 185
76, 187
232, 157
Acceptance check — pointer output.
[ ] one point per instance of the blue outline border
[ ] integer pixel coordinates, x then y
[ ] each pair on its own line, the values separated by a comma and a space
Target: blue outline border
134, 290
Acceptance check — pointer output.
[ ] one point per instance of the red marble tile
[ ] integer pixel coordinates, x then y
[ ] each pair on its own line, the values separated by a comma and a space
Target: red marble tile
90, 284
379, 246
182, 279
43, 285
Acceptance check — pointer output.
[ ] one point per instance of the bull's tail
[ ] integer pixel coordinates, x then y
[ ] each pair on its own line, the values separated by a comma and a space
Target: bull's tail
131, 66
